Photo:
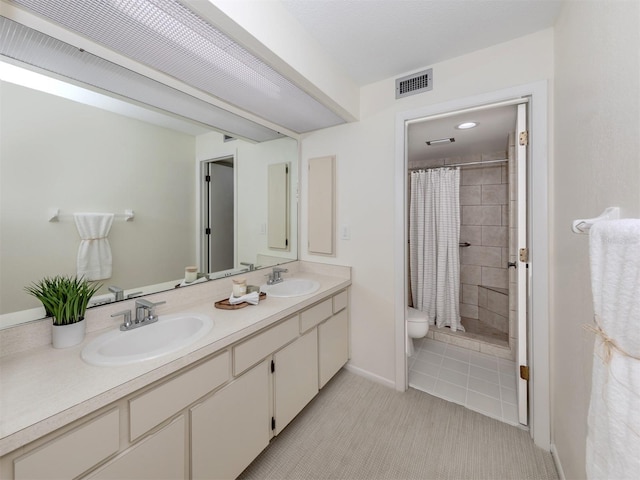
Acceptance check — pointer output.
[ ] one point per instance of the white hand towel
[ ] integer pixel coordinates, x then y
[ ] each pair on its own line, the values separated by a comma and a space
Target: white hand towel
613, 439
253, 298
94, 253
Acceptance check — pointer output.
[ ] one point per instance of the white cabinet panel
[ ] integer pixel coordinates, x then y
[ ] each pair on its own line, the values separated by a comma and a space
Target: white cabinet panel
316, 314
333, 345
321, 205
73, 453
232, 427
295, 378
340, 301
153, 407
263, 344
161, 455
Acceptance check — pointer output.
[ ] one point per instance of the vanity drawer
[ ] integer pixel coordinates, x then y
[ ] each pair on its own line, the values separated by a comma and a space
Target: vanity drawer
316, 314
340, 301
73, 453
154, 406
264, 344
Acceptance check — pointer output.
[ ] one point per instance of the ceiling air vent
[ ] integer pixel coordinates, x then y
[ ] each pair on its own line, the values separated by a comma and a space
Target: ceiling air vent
415, 83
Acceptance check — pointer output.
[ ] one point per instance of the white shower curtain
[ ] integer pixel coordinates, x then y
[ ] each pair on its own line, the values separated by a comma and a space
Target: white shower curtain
434, 235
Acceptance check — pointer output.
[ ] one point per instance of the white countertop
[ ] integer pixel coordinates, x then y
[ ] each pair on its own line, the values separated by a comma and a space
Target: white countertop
43, 389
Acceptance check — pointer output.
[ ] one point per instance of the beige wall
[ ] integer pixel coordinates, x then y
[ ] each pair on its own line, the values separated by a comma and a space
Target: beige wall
365, 158
597, 165
59, 153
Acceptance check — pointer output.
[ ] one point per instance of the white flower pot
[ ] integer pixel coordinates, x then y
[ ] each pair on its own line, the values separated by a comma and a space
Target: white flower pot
63, 336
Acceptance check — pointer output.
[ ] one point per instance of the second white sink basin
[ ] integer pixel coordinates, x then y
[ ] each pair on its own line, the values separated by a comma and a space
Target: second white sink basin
291, 287
168, 334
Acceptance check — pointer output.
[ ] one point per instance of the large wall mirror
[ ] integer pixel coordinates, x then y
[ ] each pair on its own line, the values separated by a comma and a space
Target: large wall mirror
65, 154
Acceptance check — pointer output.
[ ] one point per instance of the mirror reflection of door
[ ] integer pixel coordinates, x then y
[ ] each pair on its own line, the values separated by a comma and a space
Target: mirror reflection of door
218, 215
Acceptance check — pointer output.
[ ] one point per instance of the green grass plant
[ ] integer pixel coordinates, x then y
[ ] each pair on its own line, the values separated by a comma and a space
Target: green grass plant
65, 298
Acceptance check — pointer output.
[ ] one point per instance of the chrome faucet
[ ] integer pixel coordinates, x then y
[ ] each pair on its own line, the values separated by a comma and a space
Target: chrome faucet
274, 277
145, 314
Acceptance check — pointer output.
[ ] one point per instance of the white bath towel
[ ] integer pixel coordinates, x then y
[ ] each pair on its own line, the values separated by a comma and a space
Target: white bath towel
613, 439
252, 298
94, 253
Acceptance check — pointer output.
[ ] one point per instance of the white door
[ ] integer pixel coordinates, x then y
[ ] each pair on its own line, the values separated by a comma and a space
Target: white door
523, 270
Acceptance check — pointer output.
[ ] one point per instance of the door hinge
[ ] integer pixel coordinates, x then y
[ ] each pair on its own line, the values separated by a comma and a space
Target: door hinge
273, 423
273, 366
286, 242
207, 231
207, 178
524, 372
524, 138
524, 255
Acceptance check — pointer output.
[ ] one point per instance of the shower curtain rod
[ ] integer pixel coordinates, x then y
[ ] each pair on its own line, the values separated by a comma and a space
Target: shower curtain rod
468, 164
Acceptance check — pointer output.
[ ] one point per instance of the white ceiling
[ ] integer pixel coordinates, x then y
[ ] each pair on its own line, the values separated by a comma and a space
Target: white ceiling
377, 39
374, 40
490, 136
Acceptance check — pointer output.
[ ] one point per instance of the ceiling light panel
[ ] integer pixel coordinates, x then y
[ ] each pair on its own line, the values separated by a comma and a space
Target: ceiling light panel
33, 48
167, 36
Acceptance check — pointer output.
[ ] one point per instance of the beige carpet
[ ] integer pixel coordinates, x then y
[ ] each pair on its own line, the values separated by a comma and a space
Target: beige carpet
358, 429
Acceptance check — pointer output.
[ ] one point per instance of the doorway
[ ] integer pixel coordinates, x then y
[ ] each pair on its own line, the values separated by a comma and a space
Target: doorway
538, 326
475, 362
217, 238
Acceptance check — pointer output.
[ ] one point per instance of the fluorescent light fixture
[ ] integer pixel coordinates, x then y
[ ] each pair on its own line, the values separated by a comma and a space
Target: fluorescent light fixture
440, 141
467, 125
167, 36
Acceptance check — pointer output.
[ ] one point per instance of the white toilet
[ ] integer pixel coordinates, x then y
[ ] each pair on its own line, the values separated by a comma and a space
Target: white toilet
417, 327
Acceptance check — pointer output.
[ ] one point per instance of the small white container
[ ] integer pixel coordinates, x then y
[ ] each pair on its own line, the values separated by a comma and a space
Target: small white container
239, 287
190, 274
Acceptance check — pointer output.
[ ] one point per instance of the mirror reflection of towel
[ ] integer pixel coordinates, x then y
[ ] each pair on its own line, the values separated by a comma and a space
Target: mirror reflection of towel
94, 253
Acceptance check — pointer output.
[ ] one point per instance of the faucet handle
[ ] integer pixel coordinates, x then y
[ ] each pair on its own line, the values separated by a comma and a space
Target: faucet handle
118, 292
127, 319
143, 302
142, 307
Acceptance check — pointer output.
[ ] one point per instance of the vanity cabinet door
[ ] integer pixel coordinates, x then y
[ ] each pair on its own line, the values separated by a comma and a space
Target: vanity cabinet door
230, 429
295, 378
160, 455
333, 345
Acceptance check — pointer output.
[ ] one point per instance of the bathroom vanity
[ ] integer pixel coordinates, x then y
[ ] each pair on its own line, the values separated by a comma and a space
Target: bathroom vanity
204, 412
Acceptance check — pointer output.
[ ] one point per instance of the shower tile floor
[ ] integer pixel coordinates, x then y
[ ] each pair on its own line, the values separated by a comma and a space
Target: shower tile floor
481, 382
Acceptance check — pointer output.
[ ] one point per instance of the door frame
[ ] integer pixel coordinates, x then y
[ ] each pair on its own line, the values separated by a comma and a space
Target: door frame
539, 347
232, 155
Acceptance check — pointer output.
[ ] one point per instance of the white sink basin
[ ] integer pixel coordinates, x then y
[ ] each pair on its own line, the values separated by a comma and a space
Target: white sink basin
291, 287
168, 334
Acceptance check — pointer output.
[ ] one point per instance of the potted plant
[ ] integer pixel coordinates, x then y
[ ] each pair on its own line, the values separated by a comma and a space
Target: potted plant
65, 299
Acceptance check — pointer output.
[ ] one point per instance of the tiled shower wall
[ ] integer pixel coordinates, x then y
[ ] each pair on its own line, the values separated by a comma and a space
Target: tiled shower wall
484, 223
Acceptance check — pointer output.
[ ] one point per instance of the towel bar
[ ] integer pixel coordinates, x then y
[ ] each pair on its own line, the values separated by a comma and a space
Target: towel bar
585, 224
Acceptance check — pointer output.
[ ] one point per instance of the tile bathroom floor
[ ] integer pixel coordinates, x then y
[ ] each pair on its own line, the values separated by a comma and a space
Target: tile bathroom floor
481, 382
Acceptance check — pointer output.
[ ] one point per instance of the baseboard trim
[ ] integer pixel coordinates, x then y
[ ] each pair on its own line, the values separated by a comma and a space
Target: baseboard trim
556, 460
371, 376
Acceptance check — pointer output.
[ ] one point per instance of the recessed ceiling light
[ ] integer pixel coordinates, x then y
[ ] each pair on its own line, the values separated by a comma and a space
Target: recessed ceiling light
440, 141
467, 125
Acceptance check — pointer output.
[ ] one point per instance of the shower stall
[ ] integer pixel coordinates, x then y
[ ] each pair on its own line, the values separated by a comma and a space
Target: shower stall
488, 246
